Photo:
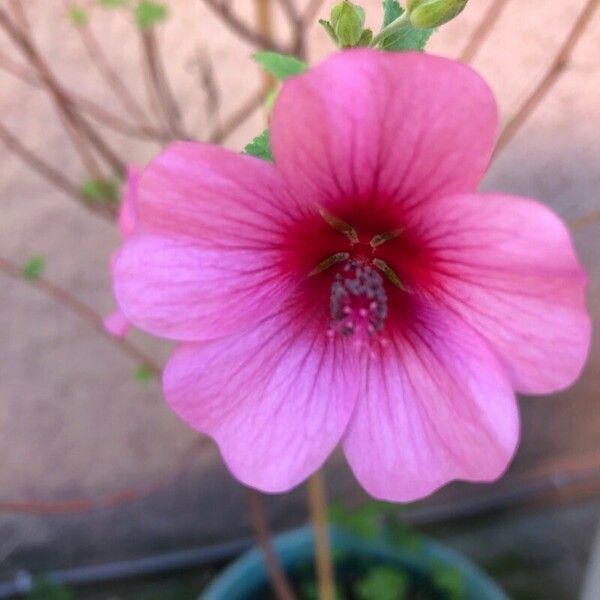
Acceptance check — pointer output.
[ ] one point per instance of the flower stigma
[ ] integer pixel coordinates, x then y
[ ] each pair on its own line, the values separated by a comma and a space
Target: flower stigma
358, 301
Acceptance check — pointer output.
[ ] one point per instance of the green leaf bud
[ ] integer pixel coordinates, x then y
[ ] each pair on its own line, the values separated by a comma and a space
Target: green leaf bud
426, 14
347, 21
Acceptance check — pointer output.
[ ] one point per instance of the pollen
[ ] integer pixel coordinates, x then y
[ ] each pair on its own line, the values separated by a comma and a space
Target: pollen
358, 301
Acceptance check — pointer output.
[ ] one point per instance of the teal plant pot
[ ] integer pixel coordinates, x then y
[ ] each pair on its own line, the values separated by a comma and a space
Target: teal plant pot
247, 577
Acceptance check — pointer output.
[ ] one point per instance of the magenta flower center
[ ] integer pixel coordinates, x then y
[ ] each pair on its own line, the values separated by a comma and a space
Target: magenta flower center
358, 299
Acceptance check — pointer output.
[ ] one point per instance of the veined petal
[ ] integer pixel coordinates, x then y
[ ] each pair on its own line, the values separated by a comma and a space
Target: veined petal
215, 196
377, 128
508, 267
180, 289
217, 240
276, 399
435, 406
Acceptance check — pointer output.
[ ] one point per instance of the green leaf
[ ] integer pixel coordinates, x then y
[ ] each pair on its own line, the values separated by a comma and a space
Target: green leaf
100, 190
33, 268
326, 25
347, 20
78, 16
391, 11
280, 65
426, 14
260, 146
149, 13
409, 38
383, 583
143, 374
449, 581
364, 521
112, 3
401, 536
365, 39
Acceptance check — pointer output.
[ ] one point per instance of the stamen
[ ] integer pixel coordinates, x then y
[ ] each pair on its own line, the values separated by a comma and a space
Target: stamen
329, 262
382, 238
339, 225
389, 273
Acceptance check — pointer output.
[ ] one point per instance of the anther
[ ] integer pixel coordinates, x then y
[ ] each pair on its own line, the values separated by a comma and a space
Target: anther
339, 225
382, 238
329, 262
389, 273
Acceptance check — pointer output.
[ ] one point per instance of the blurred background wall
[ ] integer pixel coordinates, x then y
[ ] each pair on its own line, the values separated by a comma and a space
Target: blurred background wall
76, 423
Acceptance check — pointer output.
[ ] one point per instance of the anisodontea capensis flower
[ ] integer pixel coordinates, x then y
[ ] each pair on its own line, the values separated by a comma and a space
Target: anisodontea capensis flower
357, 290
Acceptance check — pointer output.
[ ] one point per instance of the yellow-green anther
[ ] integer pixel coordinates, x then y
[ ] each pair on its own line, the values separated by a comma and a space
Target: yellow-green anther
347, 20
339, 225
329, 262
389, 273
426, 14
382, 238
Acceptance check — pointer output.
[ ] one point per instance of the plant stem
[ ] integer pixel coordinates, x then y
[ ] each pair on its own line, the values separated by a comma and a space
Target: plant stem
279, 582
394, 27
237, 25
82, 310
265, 26
110, 75
318, 511
159, 86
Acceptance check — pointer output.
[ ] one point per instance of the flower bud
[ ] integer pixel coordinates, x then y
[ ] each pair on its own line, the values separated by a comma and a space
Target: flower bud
347, 21
426, 14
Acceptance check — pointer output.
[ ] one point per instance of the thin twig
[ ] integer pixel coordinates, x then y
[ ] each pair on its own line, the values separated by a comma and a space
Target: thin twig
311, 11
547, 82
96, 111
224, 11
103, 148
83, 311
265, 27
76, 126
212, 94
124, 496
237, 117
105, 69
291, 10
54, 177
490, 18
584, 221
160, 86
19, 35
256, 509
323, 558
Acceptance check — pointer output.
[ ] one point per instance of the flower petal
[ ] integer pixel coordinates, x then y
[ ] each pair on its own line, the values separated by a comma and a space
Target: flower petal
435, 406
276, 400
508, 267
383, 127
208, 257
180, 289
215, 196
117, 324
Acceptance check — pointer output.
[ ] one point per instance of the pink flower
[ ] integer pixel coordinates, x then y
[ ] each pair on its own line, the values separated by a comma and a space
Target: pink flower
358, 291
117, 323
